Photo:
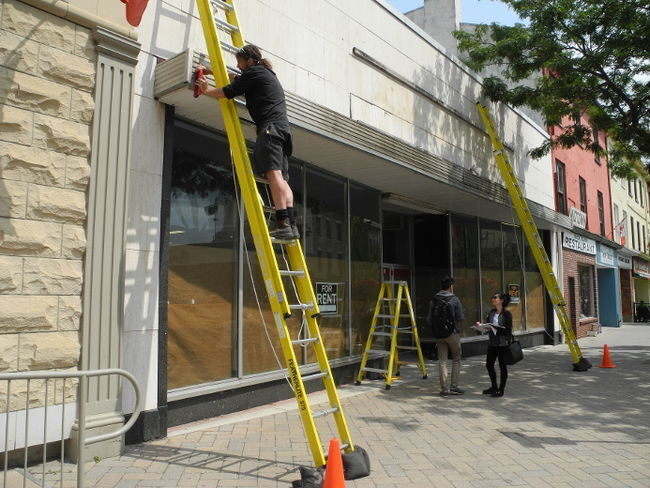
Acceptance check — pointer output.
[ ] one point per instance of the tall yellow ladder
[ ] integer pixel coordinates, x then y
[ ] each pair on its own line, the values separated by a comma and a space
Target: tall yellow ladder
221, 15
534, 241
389, 307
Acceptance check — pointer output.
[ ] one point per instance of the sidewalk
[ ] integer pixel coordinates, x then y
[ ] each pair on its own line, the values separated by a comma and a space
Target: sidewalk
554, 428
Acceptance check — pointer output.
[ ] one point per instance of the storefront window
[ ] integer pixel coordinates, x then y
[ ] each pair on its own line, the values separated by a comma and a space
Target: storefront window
365, 261
464, 241
262, 350
535, 314
431, 262
326, 254
512, 273
202, 262
586, 281
491, 263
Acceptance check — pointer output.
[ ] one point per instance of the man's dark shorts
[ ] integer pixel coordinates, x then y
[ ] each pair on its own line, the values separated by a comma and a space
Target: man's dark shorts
273, 148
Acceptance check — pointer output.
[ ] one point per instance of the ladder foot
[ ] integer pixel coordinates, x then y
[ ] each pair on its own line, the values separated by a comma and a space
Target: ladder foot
357, 382
424, 377
387, 387
581, 365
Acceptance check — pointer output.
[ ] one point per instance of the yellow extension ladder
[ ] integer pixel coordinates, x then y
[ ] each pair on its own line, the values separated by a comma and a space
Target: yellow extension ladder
534, 241
389, 307
221, 15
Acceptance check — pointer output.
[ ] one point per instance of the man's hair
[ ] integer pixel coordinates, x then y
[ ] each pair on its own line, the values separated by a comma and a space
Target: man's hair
446, 282
250, 51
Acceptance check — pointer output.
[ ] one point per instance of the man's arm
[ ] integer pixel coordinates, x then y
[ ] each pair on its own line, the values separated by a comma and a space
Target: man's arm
458, 311
216, 92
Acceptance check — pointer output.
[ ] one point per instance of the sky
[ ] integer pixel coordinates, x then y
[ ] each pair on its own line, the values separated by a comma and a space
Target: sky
473, 11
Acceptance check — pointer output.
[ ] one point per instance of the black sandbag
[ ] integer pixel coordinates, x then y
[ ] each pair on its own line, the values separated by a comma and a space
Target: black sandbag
356, 464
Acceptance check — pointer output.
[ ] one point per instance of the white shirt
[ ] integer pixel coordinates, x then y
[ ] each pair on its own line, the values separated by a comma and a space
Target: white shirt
495, 318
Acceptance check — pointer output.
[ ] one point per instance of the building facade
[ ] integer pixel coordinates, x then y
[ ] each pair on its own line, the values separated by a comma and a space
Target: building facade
147, 264
630, 213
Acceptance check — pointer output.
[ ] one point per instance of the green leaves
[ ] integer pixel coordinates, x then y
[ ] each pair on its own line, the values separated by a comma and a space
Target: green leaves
573, 57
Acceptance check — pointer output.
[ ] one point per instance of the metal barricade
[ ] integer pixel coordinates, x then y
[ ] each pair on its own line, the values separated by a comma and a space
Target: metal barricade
81, 400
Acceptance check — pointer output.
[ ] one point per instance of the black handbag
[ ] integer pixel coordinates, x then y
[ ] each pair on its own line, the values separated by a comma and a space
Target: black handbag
514, 352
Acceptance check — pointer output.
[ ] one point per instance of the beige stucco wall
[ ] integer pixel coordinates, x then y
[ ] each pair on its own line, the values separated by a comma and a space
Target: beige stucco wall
47, 75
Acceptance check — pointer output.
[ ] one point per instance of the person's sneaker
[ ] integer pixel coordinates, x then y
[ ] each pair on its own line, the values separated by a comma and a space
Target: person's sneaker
283, 230
444, 393
454, 390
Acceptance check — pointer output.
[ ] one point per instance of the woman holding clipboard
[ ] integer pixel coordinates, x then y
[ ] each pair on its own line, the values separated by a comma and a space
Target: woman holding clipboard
500, 332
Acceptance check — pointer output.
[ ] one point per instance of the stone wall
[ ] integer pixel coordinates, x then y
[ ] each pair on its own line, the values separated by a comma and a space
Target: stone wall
47, 76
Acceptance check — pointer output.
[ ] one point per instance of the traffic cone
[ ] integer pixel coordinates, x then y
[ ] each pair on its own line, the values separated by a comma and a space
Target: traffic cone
607, 361
334, 477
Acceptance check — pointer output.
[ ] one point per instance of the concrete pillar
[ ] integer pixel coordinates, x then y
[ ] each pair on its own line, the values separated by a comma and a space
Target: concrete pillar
101, 326
441, 18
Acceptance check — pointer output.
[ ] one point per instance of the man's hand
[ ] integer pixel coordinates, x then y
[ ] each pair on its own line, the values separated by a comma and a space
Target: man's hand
202, 83
232, 76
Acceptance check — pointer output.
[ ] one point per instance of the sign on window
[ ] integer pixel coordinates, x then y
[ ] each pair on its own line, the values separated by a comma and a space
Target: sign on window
327, 297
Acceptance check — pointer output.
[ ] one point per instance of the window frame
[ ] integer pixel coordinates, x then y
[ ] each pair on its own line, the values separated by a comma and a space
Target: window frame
560, 187
601, 213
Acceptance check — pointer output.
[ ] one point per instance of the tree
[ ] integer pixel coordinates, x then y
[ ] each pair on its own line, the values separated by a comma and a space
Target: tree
582, 56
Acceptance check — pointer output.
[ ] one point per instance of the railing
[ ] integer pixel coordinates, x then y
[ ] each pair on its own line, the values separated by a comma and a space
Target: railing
82, 398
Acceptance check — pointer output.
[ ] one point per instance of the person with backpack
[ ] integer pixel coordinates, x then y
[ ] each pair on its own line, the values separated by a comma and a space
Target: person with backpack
501, 319
445, 313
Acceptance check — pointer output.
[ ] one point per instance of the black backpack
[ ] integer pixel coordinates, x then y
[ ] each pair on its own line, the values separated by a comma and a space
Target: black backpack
441, 318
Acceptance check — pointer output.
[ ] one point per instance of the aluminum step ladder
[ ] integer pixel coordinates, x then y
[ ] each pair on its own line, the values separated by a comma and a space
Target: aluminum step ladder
534, 240
218, 15
386, 325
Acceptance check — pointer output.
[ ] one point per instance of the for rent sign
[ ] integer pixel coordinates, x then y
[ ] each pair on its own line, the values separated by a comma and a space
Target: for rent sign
327, 297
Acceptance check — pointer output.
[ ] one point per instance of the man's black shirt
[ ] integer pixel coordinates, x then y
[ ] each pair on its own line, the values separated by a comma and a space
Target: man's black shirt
264, 95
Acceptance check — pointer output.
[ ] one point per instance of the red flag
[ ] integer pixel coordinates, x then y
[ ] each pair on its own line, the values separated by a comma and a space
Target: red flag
134, 11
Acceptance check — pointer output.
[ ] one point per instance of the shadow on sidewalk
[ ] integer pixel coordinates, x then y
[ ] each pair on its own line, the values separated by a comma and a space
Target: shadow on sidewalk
542, 388
218, 462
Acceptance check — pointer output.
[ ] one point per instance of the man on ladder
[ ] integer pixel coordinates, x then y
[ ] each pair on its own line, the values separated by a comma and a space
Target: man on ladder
266, 104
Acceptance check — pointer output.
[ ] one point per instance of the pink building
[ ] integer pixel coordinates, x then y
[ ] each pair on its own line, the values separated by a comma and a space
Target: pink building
582, 183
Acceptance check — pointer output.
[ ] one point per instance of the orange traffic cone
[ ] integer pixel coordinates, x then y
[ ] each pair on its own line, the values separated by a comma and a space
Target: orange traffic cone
607, 361
334, 477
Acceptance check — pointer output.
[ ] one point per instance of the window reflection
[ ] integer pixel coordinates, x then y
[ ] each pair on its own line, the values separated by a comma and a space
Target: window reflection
491, 263
465, 261
365, 259
326, 254
201, 271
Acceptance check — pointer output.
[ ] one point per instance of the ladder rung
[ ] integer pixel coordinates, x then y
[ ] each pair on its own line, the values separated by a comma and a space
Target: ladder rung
275, 240
404, 330
394, 282
304, 341
392, 299
344, 446
301, 306
314, 376
221, 4
322, 413
290, 272
387, 316
226, 26
384, 334
230, 48
259, 179
375, 370
268, 209
408, 348
379, 351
